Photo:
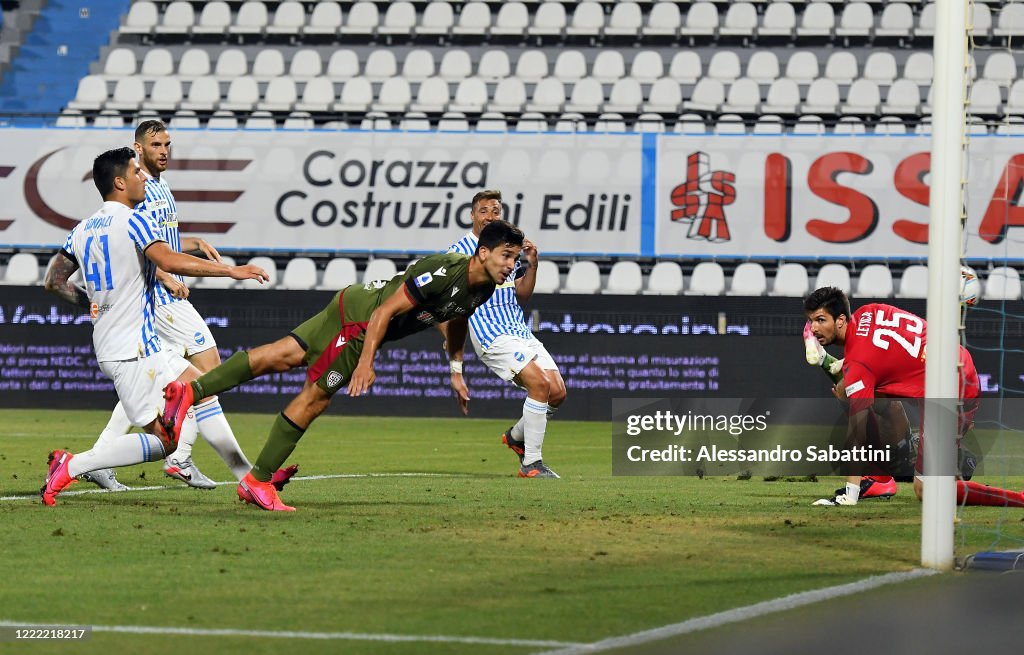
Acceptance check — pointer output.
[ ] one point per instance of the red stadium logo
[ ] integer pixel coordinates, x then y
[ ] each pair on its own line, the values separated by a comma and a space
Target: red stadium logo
702, 198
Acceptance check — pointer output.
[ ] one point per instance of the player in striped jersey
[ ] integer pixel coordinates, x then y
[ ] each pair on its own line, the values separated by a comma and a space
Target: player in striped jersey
178, 323
118, 249
505, 344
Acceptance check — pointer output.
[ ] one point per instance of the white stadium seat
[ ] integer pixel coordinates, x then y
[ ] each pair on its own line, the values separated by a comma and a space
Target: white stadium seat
22, 269
299, 274
340, 273
833, 275
1002, 283
625, 279
325, 20
748, 280
289, 18
215, 18
914, 282
584, 277
379, 269
790, 281
548, 277
665, 279
875, 281
251, 19
708, 279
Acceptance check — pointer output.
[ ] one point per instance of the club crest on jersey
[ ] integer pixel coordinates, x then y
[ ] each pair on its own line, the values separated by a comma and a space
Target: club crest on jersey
200, 338
333, 379
424, 280
375, 284
519, 357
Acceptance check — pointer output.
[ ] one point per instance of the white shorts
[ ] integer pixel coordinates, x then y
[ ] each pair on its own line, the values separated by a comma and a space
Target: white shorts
508, 355
140, 383
182, 329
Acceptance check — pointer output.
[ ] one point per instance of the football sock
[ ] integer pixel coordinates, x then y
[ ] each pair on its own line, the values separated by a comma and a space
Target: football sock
535, 421
124, 450
517, 430
284, 436
213, 426
828, 363
974, 493
186, 439
234, 371
853, 491
118, 425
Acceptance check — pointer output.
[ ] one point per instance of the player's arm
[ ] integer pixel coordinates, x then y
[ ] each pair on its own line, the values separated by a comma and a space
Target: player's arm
394, 305
190, 244
455, 343
58, 280
525, 284
166, 258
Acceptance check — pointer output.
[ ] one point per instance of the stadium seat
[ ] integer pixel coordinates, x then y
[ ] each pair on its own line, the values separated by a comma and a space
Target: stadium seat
833, 275
914, 282
203, 94
380, 65
856, 21
817, 22
289, 18
664, 97
708, 279
748, 280
70, 118
584, 277
881, 67
548, 96
299, 274
587, 20
178, 19
783, 97
649, 122
260, 120
142, 18
532, 65
1011, 126
362, 21
587, 97
1000, 67
379, 269
548, 277
926, 22
548, 21
394, 95
165, 96
1002, 283
609, 66
399, 18
571, 122
809, 125
243, 94
157, 63
570, 66
690, 124
985, 98
701, 22
863, 98
456, 65
418, 65
185, 119
222, 119
343, 65
432, 97
268, 64
625, 21
919, 68
707, 95
194, 63
822, 97
790, 281
109, 118
744, 97
470, 96
231, 63
437, 20
474, 20
892, 125
875, 281
491, 121
91, 94
532, 121
904, 98
740, 21
128, 95
324, 21
625, 96
769, 124
251, 19
340, 273
647, 66
665, 279
802, 66
306, 64
896, 22
724, 66
513, 20
625, 279
610, 122
22, 269
215, 18
663, 21
494, 66
121, 62
763, 67
842, 67
279, 96
850, 125
356, 95
1011, 20
779, 20
414, 121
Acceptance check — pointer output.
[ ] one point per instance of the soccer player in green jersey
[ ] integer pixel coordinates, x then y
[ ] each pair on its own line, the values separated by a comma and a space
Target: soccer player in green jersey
338, 344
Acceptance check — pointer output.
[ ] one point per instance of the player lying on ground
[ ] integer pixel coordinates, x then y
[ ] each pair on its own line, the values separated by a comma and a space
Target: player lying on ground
505, 344
118, 250
883, 356
339, 344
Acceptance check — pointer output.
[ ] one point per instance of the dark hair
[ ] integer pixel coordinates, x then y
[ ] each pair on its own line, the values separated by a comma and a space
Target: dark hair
111, 164
151, 126
831, 299
499, 233
486, 194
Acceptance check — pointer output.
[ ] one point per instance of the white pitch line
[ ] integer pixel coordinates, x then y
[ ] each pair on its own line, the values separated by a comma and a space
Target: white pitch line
81, 492
743, 613
288, 634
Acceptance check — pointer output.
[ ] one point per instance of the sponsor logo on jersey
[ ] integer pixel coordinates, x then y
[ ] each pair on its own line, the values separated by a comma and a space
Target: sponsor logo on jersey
340, 342
424, 280
441, 272
855, 387
157, 204
200, 338
455, 290
520, 357
374, 285
333, 379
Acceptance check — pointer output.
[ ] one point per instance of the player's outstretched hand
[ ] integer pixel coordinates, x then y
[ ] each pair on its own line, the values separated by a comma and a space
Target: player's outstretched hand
461, 392
249, 272
174, 286
530, 250
361, 380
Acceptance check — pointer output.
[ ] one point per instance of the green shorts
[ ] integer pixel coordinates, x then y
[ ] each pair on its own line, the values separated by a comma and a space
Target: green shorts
332, 344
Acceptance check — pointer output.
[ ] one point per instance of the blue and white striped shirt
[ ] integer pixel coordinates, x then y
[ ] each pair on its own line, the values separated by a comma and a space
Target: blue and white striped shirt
501, 314
159, 206
119, 280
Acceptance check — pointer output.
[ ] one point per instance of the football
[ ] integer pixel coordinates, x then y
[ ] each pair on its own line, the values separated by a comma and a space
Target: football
970, 286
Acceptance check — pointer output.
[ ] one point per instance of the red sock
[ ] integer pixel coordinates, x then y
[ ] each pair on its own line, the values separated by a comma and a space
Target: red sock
980, 494
884, 479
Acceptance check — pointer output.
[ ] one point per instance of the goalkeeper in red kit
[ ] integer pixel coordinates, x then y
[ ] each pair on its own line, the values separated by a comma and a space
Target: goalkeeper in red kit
884, 355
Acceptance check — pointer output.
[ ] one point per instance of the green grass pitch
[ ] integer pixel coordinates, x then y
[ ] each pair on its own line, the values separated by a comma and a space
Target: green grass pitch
467, 550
